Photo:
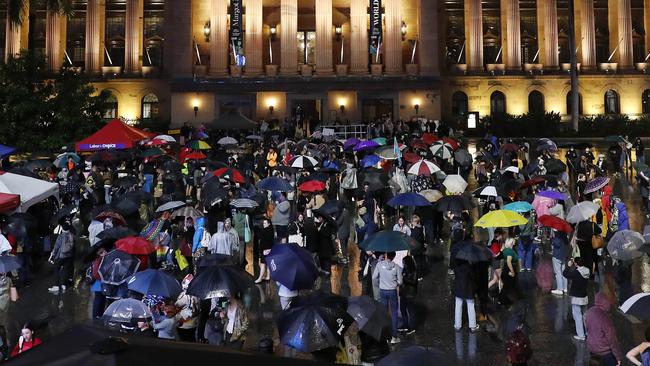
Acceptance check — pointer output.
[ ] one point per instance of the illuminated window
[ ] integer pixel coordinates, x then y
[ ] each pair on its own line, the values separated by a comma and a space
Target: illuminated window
111, 107
306, 47
612, 103
149, 106
497, 103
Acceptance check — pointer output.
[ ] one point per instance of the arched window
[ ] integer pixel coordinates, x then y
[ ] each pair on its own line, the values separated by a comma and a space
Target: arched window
459, 106
568, 103
645, 101
111, 107
612, 104
149, 106
497, 103
536, 102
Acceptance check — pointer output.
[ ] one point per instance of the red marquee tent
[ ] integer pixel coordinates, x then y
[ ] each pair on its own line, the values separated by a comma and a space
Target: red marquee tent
8, 202
115, 135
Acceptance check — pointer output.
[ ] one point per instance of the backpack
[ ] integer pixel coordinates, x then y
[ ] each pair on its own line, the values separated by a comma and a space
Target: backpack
518, 347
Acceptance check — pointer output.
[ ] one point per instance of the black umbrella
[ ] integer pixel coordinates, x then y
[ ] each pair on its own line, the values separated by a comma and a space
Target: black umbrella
463, 157
21, 224
637, 306
212, 194
212, 260
38, 164
125, 206
72, 187
504, 187
415, 356
371, 316
220, 281
455, 203
91, 254
555, 166
173, 166
471, 252
9, 263
116, 267
375, 178
116, 233
65, 212
332, 208
314, 322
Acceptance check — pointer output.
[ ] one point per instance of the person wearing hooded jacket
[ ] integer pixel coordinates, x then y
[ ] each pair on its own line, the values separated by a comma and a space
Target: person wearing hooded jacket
280, 218
602, 341
579, 276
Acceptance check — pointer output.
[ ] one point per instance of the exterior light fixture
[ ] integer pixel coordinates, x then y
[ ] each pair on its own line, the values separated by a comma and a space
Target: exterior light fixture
196, 110
206, 31
273, 30
403, 30
271, 109
338, 31
417, 108
342, 108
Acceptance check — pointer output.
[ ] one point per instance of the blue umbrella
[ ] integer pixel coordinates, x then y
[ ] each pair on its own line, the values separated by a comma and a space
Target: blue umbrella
154, 282
366, 145
275, 184
519, 206
409, 199
552, 195
388, 241
370, 160
292, 266
6, 150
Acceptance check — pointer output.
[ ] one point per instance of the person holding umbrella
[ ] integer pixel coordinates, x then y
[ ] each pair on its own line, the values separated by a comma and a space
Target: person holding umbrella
62, 257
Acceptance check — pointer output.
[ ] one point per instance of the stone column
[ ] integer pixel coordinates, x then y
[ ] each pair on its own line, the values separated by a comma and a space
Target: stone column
511, 34
620, 32
133, 37
547, 34
288, 34
646, 26
586, 33
15, 34
324, 37
55, 40
179, 55
254, 32
393, 37
428, 46
474, 35
95, 17
359, 37
219, 45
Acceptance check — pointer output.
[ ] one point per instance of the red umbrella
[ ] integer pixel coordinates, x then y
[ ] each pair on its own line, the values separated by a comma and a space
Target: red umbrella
8, 202
156, 142
312, 186
453, 143
196, 155
412, 157
555, 223
419, 144
533, 182
135, 245
230, 174
117, 218
430, 138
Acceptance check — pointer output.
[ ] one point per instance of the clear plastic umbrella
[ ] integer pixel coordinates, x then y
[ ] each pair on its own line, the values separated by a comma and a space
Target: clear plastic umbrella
625, 245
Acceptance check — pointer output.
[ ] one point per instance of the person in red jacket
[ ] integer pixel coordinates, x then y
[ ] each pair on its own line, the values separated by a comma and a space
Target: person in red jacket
26, 341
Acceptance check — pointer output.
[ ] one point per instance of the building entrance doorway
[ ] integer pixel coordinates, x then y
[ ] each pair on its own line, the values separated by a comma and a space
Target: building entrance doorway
307, 112
372, 109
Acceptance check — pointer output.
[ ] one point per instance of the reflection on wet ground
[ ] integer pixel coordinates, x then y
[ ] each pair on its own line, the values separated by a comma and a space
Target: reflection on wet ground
548, 316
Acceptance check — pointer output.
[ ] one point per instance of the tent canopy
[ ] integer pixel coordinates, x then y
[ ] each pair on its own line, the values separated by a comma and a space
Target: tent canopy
8, 202
233, 120
30, 190
115, 135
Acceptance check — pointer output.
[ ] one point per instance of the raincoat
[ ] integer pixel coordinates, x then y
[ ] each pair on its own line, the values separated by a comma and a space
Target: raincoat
623, 218
222, 242
198, 234
599, 326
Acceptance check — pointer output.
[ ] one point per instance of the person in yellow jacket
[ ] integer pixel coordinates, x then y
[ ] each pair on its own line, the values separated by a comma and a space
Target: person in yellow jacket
272, 158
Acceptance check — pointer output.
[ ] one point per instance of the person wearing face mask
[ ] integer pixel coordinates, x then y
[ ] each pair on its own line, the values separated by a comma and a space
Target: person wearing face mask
62, 257
26, 341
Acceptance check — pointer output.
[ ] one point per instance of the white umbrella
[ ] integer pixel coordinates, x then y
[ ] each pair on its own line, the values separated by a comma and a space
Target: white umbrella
423, 167
582, 211
513, 169
227, 141
170, 206
254, 137
489, 191
303, 162
165, 138
243, 203
455, 183
442, 151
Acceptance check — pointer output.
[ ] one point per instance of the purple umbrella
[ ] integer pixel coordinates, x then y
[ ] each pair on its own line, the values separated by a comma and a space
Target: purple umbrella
596, 184
552, 195
366, 145
350, 143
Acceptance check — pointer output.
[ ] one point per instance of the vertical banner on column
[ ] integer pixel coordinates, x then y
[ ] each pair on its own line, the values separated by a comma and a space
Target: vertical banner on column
375, 27
236, 39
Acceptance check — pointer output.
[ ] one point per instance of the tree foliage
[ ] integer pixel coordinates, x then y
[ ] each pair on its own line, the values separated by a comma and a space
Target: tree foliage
45, 111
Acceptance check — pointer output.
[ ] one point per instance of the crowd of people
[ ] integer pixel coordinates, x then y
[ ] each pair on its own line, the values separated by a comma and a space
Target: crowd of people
226, 201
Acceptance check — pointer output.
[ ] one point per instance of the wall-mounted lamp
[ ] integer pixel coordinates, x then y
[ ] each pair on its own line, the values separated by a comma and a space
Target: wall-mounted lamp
206, 31
196, 110
273, 31
417, 108
403, 30
338, 32
342, 108
271, 109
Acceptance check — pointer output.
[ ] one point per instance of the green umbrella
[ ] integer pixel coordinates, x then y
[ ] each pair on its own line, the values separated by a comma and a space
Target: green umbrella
386, 152
616, 138
154, 151
380, 141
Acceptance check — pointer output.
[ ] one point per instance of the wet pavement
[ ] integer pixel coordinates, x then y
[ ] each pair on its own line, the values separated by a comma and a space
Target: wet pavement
548, 316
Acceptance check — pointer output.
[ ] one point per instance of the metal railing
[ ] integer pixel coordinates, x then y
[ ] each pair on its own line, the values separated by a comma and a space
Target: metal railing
344, 132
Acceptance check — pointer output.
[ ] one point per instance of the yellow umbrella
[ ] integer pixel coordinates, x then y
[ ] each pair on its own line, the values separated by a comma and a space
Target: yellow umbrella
200, 145
501, 218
